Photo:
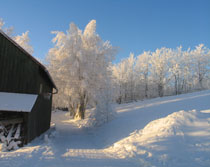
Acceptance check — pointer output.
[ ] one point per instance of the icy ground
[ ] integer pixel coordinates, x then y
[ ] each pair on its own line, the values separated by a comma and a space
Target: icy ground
171, 131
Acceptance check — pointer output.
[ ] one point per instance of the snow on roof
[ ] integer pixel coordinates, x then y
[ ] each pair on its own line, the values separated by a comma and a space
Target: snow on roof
17, 102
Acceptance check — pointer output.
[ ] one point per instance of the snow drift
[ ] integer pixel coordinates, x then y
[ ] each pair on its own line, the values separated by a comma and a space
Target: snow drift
180, 139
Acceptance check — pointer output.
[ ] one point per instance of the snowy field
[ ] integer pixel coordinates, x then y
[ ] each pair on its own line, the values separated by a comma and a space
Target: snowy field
170, 131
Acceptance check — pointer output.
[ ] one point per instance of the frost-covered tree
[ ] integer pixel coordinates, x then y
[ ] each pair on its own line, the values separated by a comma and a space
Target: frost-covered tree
79, 63
1, 23
176, 69
142, 69
23, 40
179, 70
160, 68
200, 64
130, 76
119, 79
124, 79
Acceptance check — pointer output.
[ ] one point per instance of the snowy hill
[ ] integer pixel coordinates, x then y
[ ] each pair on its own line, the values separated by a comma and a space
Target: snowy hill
170, 131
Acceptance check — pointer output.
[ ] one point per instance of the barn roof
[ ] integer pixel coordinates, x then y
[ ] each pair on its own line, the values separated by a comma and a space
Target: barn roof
31, 57
17, 102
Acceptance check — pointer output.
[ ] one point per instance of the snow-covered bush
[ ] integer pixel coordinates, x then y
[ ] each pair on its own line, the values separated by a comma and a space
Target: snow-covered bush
96, 117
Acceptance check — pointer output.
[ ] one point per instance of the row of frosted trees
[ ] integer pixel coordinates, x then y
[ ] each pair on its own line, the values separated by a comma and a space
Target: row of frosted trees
81, 65
161, 73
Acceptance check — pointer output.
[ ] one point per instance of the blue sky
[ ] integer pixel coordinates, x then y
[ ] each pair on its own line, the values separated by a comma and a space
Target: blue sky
133, 25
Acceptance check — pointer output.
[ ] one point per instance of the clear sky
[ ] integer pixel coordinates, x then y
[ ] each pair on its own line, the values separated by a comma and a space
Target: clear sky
133, 25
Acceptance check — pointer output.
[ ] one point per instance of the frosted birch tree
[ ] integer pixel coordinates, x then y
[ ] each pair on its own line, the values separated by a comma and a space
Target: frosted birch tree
119, 79
176, 69
200, 64
124, 78
159, 68
80, 64
142, 68
179, 70
130, 75
24, 41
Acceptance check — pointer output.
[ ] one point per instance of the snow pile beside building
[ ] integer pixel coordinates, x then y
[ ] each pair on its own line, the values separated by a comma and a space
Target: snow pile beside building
180, 139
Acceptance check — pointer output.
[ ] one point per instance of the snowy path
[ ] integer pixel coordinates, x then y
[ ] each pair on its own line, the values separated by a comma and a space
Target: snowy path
72, 146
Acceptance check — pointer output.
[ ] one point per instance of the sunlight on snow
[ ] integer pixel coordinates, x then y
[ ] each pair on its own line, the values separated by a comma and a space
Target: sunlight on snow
177, 98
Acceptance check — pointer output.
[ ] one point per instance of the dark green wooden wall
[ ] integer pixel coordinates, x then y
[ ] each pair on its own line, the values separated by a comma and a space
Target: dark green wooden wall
19, 73
38, 119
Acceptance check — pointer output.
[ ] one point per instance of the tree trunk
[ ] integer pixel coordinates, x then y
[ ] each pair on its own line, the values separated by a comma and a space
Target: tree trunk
200, 80
146, 85
160, 90
146, 90
80, 110
175, 85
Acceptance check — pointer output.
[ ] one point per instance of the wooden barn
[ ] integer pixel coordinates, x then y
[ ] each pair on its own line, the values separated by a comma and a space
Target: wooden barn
26, 90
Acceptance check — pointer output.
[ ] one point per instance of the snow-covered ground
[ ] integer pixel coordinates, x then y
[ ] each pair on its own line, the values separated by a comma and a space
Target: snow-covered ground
170, 131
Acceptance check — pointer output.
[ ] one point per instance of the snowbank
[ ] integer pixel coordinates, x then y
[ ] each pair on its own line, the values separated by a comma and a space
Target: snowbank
180, 139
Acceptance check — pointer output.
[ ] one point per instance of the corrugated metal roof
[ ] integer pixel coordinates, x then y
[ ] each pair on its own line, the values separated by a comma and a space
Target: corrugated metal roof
33, 59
